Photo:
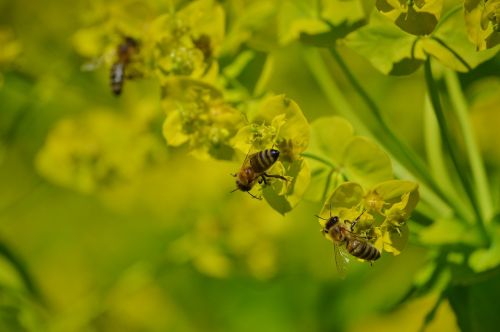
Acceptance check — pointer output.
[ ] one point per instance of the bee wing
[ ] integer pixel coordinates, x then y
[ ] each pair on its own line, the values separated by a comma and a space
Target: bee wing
341, 260
251, 151
98, 62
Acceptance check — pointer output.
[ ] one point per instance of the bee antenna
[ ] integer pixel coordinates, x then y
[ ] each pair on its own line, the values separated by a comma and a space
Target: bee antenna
330, 209
232, 191
320, 217
259, 198
362, 212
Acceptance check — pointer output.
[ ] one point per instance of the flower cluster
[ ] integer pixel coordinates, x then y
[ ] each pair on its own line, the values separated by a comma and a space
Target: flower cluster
98, 150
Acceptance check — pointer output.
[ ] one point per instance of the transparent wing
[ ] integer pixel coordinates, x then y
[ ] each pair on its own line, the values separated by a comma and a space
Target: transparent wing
341, 259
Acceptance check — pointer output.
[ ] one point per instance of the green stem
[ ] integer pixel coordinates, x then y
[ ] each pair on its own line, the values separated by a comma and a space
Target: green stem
482, 189
330, 89
327, 185
395, 145
318, 158
22, 271
445, 132
437, 163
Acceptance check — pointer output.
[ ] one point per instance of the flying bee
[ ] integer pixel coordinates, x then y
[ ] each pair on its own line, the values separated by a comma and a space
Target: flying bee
124, 52
254, 170
345, 240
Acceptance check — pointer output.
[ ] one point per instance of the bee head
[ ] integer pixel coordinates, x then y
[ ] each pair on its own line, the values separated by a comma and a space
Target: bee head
243, 186
330, 223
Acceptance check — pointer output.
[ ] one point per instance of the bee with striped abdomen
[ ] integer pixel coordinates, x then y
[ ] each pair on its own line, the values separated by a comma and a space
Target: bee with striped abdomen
345, 240
254, 170
124, 52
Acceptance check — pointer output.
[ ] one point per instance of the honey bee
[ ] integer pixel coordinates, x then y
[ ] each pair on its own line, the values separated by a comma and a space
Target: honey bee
254, 170
345, 240
124, 52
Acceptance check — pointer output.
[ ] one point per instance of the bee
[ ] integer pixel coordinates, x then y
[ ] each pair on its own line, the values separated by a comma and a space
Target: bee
203, 44
344, 239
254, 170
124, 52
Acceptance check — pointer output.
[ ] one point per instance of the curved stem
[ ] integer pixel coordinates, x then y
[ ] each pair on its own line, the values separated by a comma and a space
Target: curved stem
318, 158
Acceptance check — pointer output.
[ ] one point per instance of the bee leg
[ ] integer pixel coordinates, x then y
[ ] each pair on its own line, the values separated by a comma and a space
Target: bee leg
356, 220
256, 197
262, 179
275, 176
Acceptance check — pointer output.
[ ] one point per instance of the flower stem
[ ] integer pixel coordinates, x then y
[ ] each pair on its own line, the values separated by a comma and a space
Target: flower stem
330, 89
318, 158
21, 270
404, 154
482, 189
445, 132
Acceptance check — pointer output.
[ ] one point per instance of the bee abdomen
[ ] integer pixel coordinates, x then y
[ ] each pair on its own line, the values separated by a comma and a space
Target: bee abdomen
263, 160
116, 76
363, 250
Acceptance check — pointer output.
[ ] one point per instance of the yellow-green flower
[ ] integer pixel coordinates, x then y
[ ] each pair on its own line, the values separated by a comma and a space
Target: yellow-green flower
196, 114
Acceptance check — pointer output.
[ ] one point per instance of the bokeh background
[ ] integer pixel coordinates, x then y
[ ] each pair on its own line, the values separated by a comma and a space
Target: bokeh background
158, 243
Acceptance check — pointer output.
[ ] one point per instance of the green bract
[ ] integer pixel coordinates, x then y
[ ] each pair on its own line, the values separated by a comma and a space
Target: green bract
418, 17
320, 22
395, 52
482, 19
335, 151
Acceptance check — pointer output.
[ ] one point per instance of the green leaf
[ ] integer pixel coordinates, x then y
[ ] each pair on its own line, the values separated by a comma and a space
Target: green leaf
451, 46
389, 49
173, 129
395, 242
283, 197
329, 138
366, 163
321, 23
346, 196
297, 17
418, 17
482, 19
393, 190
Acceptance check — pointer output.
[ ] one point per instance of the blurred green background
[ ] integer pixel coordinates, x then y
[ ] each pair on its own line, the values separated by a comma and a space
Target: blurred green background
163, 246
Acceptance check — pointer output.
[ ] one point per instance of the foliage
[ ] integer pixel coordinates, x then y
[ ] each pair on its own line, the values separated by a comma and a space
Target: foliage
145, 215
